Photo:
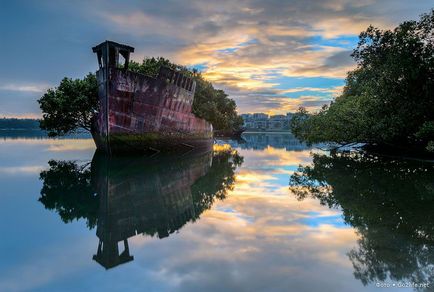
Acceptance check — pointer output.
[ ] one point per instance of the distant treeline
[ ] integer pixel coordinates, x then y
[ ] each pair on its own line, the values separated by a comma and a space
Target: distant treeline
21, 124
13, 128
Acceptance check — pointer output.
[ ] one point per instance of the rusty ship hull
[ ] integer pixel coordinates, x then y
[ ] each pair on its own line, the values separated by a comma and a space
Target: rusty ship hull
138, 113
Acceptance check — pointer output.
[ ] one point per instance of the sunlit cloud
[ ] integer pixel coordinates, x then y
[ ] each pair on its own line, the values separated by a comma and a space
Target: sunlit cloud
333, 90
273, 105
247, 48
243, 47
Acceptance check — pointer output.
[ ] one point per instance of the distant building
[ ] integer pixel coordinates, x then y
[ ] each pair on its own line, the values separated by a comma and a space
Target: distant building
246, 116
248, 121
263, 122
289, 116
278, 122
260, 116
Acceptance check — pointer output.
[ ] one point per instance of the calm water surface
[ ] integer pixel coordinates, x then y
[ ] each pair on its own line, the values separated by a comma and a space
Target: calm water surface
237, 219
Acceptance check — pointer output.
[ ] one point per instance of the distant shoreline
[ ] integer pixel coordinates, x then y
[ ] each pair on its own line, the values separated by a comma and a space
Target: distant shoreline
21, 129
43, 131
268, 132
36, 133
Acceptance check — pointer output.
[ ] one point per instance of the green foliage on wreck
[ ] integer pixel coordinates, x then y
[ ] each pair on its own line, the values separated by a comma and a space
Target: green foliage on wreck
209, 103
72, 105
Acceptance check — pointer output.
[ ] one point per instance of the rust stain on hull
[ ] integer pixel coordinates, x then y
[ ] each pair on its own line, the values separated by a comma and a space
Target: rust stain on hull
138, 113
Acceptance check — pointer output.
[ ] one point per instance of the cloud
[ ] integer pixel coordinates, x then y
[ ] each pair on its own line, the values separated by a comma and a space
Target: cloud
335, 65
37, 88
20, 169
245, 47
242, 46
334, 90
280, 101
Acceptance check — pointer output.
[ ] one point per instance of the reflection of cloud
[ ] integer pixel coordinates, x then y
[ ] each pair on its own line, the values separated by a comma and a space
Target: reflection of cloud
258, 235
279, 157
18, 156
246, 176
64, 145
248, 253
53, 145
38, 270
258, 238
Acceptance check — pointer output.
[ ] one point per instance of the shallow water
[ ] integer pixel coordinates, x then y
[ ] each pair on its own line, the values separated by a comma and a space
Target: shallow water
222, 221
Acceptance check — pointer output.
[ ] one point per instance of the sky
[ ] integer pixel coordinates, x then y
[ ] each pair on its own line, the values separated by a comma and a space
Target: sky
269, 56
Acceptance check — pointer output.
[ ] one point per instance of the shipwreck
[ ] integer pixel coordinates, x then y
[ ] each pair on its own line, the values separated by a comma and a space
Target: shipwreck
139, 113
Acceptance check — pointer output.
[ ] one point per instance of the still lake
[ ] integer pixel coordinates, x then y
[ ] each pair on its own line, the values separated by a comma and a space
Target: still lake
232, 220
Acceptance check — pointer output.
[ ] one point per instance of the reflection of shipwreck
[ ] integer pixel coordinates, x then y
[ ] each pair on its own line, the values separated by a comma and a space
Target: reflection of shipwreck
136, 198
126, 196
140, 113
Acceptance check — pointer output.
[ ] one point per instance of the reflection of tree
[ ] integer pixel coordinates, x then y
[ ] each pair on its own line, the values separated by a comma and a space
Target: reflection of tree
67, 189
219, 179
126, 196
390, 202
